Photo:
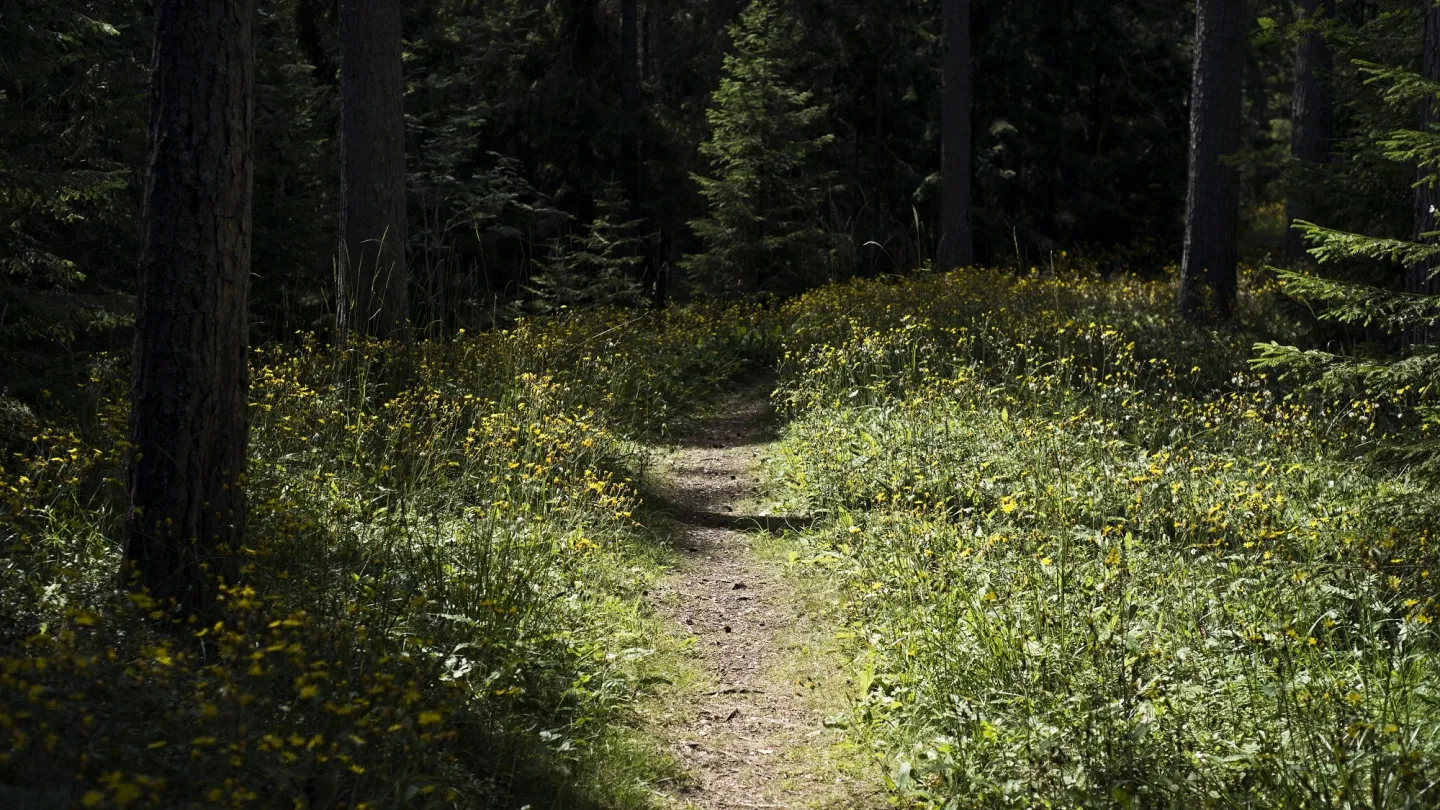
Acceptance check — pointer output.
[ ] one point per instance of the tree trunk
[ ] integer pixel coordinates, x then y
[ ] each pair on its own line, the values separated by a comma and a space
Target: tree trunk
647, 42
630, 102
1419, 279
372, 282
188, 426
1312, 117
1212, 211
630, 139
957, 242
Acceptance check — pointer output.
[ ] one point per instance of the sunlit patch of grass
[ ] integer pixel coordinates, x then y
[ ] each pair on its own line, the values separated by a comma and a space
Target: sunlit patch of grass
1094, 561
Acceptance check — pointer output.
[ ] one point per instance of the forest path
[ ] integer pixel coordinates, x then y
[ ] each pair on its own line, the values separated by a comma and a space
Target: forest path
750, 729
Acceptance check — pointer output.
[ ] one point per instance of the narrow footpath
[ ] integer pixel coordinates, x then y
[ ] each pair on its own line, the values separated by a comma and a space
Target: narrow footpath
751, 730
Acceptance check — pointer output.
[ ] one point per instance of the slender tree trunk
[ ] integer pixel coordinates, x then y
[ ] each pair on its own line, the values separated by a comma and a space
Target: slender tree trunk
647, 41
372, 281
957, 242
630, 140
630, 102
1312, 117
188, 427
1212, 212
1427, 194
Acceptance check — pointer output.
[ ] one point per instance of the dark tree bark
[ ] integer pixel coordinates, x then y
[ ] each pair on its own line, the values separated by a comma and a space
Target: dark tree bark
372, 277
1212, 211
630, 103
1312, 117
957, 242
188, 427
1427, 194
647, 42
630, 169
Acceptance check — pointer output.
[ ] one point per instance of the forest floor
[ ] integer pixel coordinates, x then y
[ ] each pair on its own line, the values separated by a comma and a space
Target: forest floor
750, 726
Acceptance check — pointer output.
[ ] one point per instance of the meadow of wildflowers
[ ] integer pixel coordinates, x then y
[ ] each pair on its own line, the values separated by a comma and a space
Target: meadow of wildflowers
439, 597
1090, 558
1085, 555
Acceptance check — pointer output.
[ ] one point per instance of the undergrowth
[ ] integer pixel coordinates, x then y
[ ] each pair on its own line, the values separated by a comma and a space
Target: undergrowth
1086, 555
439, 602
1090, 559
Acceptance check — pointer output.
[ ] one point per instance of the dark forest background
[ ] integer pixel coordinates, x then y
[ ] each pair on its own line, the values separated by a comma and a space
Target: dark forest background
515, 126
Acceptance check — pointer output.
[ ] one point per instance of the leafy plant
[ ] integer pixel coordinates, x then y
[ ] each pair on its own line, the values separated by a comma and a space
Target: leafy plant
1412, 315
765, 197
599, 266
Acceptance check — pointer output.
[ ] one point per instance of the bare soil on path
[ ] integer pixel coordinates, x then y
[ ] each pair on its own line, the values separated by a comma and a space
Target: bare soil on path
751, 728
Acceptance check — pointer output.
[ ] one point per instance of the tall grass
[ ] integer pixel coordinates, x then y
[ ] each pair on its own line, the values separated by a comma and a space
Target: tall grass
439, 601
1089, 559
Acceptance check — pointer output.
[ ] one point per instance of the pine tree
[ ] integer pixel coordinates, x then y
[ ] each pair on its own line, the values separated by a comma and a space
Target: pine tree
597, 266
766, 194
1410, 313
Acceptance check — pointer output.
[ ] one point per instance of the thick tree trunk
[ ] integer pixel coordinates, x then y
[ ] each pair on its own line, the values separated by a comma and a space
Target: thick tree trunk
1312, 117
957, 242
1212, 211
1427, 194
372, 282
188, 427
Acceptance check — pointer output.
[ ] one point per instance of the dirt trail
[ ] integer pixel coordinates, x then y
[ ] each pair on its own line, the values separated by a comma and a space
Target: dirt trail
751, 730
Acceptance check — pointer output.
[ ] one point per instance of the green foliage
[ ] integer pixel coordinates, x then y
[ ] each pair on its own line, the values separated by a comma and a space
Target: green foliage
296, 188
73, 100
1363, 190
1086, 559
440, 597
1410, 314
600, 266
1080, 111
766, 192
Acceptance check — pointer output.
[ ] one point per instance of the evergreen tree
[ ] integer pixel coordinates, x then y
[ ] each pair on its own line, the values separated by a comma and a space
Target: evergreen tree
597, 266
766, 194
72, 136
1410, 313
1422, 147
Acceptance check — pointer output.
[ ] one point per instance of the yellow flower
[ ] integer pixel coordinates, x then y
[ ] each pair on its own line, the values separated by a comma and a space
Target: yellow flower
126, 794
